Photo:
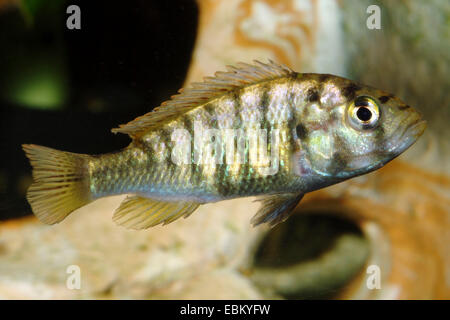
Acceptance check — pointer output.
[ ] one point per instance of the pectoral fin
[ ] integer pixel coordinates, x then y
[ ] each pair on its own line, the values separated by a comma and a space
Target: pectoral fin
276, 208
141, 213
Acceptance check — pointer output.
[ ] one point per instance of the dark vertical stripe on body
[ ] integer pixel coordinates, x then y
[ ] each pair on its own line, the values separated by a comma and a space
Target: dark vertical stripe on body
324, 77
264, 104
379, 138
338, 161
165, 137
221, 178
187, 123
350, 91
210, 109
312, 94
294, 75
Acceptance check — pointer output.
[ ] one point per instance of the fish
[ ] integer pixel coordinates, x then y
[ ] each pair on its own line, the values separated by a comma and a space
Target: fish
256, 129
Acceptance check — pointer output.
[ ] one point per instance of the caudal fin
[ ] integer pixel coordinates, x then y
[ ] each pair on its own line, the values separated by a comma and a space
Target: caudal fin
61, 182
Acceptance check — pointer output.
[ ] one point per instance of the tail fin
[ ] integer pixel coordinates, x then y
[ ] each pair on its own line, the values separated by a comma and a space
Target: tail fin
61, 182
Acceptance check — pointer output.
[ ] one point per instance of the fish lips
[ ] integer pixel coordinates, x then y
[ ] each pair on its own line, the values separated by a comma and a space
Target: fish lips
409, 136
404, 141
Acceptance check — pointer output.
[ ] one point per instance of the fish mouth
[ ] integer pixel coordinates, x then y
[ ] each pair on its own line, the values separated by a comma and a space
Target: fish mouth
410, 135
417, 129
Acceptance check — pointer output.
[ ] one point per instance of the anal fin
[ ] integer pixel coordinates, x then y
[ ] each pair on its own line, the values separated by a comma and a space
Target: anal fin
141, 213
276, 208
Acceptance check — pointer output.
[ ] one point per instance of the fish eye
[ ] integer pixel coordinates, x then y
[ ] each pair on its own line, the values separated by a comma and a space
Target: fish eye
364, 113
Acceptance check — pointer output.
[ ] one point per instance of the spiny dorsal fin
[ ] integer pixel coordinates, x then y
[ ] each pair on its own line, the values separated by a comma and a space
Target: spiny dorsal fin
141, 213
276, 208
201, 92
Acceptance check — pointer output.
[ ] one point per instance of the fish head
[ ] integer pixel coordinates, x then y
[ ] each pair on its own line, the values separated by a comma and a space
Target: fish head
372, 128
352, 130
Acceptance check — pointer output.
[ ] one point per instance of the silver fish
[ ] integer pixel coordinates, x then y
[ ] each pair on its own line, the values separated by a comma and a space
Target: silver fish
255, 130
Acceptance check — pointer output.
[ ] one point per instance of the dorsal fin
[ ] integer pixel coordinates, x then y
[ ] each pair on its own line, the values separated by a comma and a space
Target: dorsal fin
201, 92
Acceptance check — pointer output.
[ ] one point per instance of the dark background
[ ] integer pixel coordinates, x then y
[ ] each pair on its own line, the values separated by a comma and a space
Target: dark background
125, 60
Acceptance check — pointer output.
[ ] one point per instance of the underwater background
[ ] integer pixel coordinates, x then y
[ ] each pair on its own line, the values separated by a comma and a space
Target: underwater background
66, 88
